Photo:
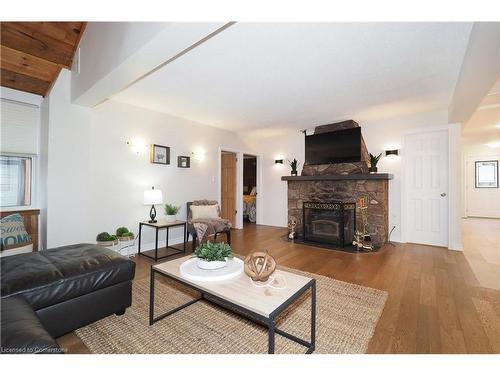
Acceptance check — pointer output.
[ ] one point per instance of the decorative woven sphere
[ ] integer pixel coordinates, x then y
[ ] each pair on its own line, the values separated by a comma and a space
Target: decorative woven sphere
259, 265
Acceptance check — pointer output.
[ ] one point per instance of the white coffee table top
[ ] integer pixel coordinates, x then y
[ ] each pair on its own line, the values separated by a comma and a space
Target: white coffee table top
240, 290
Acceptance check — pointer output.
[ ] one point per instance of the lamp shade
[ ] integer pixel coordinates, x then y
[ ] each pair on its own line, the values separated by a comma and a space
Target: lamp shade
153, 197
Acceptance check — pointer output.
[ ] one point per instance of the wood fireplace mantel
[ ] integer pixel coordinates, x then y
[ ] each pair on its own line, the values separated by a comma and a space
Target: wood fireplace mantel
339, 177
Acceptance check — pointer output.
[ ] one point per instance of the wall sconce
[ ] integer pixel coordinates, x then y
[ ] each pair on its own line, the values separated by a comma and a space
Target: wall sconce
138, 146
391, 152
199, 155
278, 161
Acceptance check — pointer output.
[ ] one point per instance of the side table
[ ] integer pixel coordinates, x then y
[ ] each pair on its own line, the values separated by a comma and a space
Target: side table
162, 224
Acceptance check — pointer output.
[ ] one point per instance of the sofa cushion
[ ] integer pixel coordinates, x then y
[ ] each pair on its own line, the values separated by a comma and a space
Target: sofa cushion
52, 276
22, 331
13, 232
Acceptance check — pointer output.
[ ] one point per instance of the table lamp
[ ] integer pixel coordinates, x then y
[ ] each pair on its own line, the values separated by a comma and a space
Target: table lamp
152, 197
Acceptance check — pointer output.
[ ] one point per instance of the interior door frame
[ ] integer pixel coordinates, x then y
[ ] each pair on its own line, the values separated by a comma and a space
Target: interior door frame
239, 182
452, 169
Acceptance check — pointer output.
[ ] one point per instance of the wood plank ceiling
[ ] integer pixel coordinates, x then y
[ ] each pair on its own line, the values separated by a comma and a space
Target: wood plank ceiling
33, 53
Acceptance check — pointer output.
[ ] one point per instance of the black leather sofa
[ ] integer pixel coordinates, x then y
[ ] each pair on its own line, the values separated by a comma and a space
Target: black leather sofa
47, 294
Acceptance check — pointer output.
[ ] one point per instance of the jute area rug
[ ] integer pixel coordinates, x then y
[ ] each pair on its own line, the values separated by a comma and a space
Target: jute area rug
346, 318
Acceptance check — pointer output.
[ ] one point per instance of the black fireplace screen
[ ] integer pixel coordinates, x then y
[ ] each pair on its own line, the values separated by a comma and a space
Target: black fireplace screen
333, 222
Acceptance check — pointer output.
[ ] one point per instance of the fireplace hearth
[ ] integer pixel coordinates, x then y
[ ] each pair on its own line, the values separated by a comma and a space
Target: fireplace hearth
331, 223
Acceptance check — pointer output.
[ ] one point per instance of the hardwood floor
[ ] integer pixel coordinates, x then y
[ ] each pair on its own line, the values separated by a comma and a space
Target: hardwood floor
436, 303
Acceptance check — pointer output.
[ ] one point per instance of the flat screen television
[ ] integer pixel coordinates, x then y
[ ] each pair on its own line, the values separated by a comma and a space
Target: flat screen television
342, 146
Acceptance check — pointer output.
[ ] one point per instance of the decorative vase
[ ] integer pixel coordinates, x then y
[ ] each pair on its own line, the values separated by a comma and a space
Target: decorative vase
211, 265
170, 218
294, 173
373, 169
259, 265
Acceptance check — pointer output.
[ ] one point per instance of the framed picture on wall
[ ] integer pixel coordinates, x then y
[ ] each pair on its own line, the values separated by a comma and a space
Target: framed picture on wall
160, 154
183, 161
486, 174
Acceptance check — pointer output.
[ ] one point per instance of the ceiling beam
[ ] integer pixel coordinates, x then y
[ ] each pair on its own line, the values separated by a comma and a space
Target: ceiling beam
480, 70
98, 80
23, 82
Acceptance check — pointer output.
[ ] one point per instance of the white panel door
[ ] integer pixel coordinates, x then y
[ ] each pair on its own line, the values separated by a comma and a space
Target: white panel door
426, 187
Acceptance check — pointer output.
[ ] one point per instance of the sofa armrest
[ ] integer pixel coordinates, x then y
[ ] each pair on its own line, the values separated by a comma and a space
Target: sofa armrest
21, 330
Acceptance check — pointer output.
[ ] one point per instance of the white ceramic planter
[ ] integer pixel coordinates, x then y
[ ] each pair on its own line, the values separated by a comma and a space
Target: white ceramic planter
214, 265
170, 218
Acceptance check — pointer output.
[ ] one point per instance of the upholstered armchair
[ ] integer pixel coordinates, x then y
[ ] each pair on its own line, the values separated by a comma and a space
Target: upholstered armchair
224, 227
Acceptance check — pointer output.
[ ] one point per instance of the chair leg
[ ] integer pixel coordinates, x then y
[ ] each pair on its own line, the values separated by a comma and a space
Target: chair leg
215, 237
228, 234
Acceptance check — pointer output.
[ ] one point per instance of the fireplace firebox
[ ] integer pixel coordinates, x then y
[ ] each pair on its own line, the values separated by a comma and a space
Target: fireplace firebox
329, 222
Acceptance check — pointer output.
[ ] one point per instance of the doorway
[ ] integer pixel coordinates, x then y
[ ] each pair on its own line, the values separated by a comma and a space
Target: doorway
228, 186
426, 184
225, 188
249, 211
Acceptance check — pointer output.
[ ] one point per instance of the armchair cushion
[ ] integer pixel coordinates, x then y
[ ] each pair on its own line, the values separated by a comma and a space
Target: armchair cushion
205, 212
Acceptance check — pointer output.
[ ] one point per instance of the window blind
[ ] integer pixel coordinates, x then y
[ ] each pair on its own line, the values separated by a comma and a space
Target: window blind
19, 127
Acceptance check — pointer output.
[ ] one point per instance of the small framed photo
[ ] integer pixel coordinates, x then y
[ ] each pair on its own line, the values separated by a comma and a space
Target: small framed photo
486, 174
160, 154
183, 161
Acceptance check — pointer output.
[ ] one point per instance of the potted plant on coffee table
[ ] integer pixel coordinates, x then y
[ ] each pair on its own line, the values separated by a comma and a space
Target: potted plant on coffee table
171, 211
213, 256
373, 163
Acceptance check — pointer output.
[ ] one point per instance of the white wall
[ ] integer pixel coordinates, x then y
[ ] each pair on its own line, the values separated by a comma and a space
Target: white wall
43, 172
479, 202
68, 155
280, 144
96, 182
379, 136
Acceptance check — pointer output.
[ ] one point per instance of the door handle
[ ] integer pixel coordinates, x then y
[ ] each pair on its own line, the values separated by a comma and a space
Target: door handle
443, 194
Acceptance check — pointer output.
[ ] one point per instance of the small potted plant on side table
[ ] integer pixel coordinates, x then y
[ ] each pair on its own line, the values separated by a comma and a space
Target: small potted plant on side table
373, 163
212, 256
171, 211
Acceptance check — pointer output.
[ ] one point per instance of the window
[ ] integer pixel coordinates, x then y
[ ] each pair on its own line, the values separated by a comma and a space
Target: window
15, 181
487, 174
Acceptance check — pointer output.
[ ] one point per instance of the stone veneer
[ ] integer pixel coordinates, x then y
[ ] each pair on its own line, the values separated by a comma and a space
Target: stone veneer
375, 190
376, 193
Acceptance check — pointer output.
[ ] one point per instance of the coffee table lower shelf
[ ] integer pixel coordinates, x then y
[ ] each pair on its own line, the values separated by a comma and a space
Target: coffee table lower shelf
269, 322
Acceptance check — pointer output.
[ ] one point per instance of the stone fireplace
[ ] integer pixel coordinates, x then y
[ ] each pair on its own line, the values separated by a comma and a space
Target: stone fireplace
340, 184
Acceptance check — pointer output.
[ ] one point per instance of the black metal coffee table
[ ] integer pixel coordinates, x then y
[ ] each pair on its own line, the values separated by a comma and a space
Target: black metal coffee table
240, 296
